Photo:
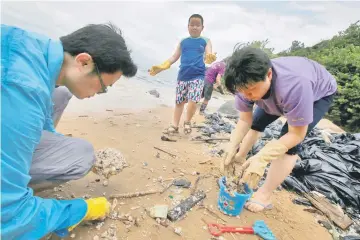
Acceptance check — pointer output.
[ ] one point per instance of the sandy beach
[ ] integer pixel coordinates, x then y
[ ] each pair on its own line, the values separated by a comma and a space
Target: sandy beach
135, 131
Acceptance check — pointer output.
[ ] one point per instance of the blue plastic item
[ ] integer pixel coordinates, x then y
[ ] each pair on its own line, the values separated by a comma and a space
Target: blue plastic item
262, 230
232, 205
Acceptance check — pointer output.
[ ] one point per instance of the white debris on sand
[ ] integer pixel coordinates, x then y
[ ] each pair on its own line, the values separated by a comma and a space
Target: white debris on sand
109, 161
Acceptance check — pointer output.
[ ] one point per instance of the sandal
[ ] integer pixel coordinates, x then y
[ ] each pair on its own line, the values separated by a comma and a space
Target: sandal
264, 206
187, 127
171, 130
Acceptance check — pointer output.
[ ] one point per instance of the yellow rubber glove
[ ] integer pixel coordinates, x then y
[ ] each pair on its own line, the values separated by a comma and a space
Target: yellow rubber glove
237, 135
254, 167
97, 208
210, 58
158, 68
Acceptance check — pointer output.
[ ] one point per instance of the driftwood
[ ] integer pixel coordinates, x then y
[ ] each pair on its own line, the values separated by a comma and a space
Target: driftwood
210, 139
167, 187
212, 212
193, 190
333, 212
134, 194
180, 210
172, 155
197, 126
167, 139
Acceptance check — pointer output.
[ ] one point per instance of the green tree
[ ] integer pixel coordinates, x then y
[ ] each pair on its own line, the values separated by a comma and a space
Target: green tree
341, 56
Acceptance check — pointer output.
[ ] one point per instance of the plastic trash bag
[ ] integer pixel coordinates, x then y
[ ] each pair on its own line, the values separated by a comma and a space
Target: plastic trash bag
332, 169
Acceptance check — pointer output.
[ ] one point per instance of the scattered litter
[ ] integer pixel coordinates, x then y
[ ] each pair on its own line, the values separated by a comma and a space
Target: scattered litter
178, 230
167, 139
105, 183
182, 183
184, 206
233, 185
155, 93
72, 235
135, 194
215, 123
158, 211
96, 237
195, 173
114, 204
332, 169
110, 234
211, 211
58, 196
86, 196
109, 162
302, 201
99, 225
170, 154
325, 224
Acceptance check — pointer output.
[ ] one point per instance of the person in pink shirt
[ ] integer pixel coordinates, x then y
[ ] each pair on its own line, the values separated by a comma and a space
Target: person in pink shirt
213, 77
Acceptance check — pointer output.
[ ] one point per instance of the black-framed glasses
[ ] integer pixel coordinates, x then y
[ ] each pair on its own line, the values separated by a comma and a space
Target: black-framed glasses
103, 87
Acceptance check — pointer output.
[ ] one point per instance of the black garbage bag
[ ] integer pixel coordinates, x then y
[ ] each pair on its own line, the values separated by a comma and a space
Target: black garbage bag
332, 169
216, 124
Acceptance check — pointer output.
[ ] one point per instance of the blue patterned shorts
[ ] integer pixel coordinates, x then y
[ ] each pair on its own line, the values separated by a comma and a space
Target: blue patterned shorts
189, 90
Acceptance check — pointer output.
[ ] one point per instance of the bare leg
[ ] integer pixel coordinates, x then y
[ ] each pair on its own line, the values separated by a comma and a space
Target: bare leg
179, 108
191, 109
278, 171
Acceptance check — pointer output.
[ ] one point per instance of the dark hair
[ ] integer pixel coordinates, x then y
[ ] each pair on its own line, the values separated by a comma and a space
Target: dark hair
106, 46
197, 16
226, 60
246, 65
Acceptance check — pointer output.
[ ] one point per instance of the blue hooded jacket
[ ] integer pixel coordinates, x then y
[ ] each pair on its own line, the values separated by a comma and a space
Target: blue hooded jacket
30, 66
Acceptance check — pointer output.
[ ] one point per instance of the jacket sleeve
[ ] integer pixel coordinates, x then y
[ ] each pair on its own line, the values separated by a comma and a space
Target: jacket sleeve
24, 216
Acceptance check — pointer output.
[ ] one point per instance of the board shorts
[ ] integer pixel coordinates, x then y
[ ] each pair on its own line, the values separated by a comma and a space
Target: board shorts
189, 90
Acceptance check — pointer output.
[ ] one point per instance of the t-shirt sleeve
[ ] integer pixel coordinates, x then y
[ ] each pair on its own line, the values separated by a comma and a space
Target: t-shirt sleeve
221, 69
242, 104
206, 39
298, 103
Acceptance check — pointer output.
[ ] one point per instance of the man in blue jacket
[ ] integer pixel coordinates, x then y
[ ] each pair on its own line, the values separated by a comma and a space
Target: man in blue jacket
85, 62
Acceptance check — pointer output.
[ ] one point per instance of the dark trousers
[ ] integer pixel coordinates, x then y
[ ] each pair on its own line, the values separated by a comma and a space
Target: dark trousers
261, 119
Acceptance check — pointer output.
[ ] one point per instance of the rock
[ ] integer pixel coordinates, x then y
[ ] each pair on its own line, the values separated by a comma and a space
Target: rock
177, 230
155, 93
96, 237
99, 225
182, 183
325, 224
228, 108
105, 183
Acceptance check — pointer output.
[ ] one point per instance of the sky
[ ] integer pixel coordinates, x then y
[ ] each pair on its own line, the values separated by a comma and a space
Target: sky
153, 29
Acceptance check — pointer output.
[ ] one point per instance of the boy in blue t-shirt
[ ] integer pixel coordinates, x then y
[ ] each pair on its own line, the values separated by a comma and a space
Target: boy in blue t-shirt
195, 51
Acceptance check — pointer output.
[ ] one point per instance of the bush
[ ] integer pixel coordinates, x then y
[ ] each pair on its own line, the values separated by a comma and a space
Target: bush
341, 56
